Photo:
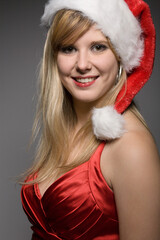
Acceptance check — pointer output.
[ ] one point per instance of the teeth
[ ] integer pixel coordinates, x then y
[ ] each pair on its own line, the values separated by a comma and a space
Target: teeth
86, 80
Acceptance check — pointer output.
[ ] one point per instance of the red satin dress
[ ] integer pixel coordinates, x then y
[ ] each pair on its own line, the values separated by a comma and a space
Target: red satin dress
79, 205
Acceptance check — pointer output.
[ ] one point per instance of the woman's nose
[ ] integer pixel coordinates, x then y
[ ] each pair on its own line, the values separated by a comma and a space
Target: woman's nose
83, 61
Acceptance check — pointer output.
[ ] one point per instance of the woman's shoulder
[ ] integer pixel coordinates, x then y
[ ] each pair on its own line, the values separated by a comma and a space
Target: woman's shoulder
135, 150
137, 143
131, 167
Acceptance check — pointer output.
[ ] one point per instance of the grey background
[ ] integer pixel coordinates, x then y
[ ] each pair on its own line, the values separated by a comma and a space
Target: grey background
21, 46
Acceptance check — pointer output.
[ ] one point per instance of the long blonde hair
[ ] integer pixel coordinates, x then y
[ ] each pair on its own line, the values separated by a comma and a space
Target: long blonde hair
55, 117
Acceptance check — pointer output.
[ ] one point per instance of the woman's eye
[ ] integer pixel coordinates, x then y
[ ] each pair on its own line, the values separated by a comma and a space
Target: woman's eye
68, 49
99, 47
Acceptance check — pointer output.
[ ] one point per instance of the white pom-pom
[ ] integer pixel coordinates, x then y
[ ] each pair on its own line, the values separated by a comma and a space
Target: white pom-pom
107, 123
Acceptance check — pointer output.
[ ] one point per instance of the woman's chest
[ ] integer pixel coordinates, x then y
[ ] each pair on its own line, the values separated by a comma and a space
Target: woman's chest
76, 202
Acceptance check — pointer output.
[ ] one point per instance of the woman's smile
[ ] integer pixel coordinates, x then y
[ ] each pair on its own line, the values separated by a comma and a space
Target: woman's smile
83, 82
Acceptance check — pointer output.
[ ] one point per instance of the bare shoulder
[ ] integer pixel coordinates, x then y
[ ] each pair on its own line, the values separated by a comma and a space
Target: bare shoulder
135, 149
136, 156
131, 166
137, 145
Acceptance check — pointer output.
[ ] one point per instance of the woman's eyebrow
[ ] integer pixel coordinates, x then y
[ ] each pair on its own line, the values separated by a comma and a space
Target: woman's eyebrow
99, 41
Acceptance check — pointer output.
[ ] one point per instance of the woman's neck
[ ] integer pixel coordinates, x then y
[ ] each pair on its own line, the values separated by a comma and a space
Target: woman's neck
83, 111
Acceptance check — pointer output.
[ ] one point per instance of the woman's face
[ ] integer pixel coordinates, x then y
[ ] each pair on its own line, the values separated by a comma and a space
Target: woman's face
88, 68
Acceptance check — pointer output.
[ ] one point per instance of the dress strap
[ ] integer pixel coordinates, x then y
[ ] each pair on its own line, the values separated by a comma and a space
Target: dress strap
101, 191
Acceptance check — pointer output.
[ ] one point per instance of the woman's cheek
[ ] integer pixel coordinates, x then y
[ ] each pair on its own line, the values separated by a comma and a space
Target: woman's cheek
65, 64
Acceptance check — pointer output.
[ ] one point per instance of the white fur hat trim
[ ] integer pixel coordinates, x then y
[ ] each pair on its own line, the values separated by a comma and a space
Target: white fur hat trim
116, 21
107, 123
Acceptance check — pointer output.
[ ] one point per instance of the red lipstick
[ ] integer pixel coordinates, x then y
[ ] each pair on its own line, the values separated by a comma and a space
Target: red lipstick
84, 84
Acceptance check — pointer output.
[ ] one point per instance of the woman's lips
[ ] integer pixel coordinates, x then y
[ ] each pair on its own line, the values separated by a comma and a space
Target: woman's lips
84, 81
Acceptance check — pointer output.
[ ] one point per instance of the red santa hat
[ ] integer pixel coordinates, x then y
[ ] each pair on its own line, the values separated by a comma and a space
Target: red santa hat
129, 26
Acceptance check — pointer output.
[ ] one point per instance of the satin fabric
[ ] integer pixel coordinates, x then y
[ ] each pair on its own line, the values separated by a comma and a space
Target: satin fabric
79, 205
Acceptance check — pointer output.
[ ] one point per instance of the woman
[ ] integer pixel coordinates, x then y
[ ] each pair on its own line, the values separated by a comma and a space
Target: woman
97, 172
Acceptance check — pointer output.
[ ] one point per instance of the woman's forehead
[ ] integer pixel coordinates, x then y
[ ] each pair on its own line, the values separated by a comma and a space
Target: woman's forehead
93, 34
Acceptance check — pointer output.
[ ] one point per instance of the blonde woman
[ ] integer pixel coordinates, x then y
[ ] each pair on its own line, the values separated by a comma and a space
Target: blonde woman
96, 173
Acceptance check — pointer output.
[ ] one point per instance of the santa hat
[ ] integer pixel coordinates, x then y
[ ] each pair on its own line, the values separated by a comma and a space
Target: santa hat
129, 26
